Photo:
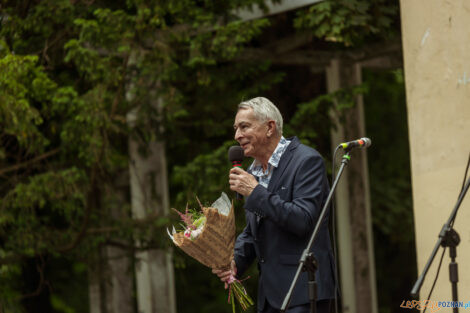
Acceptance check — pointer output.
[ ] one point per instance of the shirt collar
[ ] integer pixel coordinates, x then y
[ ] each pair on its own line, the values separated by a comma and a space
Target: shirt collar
256, 167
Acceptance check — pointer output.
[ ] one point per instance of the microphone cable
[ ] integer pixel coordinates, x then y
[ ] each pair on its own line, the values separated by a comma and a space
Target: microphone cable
435, 278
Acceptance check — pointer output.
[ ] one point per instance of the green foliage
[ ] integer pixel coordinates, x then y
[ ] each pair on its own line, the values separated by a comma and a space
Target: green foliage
33, 214
348, 21
206, 176
23, 83
32, 29
309, 115
9, 292
229, 37
73, 71
60, 306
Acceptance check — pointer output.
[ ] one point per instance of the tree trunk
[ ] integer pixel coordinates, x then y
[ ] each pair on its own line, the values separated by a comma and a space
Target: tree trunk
355, 199
111, 277
149, 193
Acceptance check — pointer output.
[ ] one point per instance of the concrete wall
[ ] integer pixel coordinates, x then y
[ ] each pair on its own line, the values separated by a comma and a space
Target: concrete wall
436, 47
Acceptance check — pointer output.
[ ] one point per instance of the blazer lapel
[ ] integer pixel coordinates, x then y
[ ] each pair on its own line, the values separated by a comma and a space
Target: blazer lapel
277, 174
283, 162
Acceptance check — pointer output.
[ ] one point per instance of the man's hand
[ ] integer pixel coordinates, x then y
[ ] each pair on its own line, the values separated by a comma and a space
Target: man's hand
225, 275
241, 181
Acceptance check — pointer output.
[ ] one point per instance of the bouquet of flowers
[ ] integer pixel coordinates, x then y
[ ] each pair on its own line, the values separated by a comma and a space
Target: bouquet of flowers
209, 237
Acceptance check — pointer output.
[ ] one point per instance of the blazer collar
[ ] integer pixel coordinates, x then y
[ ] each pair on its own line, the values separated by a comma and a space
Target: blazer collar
283, 162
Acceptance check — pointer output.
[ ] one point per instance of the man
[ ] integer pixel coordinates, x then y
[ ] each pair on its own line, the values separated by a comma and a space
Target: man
285, 189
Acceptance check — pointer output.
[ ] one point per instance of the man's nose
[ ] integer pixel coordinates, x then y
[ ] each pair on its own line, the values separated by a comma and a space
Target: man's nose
238, 134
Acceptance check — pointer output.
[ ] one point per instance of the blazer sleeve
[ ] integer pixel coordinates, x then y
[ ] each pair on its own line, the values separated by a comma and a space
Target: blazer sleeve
299, 215
244, 252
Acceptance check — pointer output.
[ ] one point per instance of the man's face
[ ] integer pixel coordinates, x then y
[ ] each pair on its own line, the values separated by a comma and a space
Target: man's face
250, 133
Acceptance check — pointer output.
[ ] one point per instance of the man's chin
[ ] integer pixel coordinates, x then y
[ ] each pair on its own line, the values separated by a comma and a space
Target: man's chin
247, 151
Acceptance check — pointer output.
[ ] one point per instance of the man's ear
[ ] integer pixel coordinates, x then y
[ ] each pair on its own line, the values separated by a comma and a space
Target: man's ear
271, 128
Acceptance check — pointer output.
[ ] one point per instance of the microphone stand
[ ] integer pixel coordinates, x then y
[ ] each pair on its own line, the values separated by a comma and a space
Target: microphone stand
307, 260
448, 237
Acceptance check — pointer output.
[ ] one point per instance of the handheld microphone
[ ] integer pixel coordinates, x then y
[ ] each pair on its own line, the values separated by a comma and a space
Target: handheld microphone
360, 143
235, 156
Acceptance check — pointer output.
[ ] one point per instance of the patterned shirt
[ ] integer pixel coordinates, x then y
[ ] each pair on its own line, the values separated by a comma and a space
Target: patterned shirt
257, 169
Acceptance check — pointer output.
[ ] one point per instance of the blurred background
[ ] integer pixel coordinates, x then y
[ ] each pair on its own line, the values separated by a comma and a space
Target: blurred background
113, 112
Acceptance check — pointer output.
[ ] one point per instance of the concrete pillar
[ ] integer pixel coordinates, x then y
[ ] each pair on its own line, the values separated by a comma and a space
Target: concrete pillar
343, 223
436, 49
354, 223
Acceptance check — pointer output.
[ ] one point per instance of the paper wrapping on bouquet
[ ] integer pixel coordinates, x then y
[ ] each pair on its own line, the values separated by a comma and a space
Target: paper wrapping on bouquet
214, 246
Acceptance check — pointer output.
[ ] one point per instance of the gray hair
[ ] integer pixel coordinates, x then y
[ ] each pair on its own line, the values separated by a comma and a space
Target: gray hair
264, 110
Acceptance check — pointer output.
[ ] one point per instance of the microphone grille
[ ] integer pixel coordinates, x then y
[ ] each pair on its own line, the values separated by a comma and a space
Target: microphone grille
367, 142
235, 153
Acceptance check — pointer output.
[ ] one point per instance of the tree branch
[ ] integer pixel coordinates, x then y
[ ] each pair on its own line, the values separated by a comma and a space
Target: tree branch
130, 246
15, 167
141, 222
41, 284
90, 203
10, 259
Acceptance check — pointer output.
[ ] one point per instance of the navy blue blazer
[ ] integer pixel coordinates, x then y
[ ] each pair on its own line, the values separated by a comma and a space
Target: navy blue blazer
279, 223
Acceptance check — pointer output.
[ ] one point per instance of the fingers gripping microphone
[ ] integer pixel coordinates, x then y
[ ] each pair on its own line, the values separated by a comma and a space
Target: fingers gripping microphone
236, 155
359, 143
